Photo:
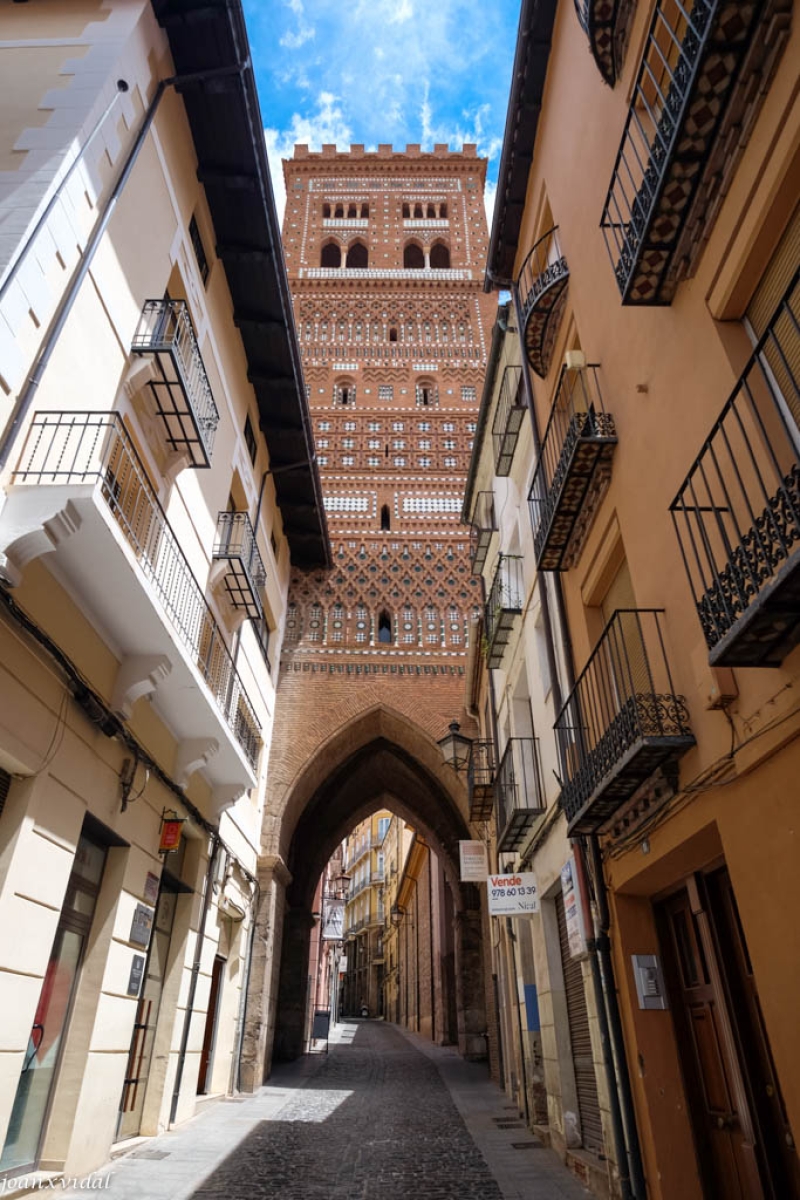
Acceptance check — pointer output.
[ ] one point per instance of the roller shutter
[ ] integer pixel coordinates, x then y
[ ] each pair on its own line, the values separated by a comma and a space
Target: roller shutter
583, 1062
782, 349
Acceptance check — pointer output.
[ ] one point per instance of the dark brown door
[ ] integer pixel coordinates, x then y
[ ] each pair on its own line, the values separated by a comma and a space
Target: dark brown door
210, 1035
720, 1047
775, 1148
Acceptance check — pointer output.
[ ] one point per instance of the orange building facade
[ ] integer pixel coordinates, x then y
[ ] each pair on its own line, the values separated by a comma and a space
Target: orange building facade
647, 226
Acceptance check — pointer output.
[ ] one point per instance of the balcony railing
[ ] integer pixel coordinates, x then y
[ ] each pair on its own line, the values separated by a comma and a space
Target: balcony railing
484, 525
511, 408
480, 781
573, 470
737, 514
181, 391
519, 790
503, 607
542, 288
86, 447
606, 24
245, 577
690, 67
621, 721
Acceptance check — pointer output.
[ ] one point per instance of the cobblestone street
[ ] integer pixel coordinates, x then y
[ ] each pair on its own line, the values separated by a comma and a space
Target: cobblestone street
382, 1114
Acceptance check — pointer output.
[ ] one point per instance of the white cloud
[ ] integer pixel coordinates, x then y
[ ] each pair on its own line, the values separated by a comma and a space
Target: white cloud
402, 12
304, 32
328, 126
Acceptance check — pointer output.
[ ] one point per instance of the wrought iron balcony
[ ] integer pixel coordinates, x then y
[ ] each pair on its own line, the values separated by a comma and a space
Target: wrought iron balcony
606, 23
511, 408
503, 607
737, 514
484, 525
677, 140
541, 287
83, 465
480, 781
245, 576
181, 391
519, 791
621, 720
573, 470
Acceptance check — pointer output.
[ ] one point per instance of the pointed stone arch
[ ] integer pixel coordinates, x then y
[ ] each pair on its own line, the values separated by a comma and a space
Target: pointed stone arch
378, 758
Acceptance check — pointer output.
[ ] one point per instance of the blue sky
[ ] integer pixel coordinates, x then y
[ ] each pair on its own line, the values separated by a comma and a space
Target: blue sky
374, 71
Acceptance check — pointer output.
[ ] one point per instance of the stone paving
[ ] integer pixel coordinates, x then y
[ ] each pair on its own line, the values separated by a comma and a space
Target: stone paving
383, 1116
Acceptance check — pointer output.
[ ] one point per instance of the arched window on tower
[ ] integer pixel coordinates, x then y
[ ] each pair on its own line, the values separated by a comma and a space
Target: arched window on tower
386, 520
339, 212
358, 256
331, 255
440, 257
413, 258
393, 334
364, 211
418, 211
406, 211
431, 213
384, 627
352, 211
326, 210
443, 211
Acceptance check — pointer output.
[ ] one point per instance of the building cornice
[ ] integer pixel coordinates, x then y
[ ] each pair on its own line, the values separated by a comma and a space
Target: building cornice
534, 38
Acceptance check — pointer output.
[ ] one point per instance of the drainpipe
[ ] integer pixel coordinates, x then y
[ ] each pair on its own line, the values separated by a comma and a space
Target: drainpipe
623, 1119
606, 970
65, 305
198, 957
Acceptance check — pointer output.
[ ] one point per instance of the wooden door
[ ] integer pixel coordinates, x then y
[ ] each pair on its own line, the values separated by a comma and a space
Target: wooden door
721, 1119
210, 1034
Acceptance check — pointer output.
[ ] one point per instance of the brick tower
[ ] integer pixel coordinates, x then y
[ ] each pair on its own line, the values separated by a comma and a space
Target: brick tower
385, 255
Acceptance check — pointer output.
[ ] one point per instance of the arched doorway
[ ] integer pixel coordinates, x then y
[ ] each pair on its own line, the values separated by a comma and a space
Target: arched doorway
380, 759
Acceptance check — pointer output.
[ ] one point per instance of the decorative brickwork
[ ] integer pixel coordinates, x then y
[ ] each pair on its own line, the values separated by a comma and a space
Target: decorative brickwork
393, 359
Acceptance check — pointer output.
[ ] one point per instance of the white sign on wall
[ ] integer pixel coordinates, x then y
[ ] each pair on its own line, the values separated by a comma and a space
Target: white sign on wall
513, 895
474, 863
573, 909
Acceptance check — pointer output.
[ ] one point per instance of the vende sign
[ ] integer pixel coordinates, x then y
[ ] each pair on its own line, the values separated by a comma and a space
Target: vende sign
513, 895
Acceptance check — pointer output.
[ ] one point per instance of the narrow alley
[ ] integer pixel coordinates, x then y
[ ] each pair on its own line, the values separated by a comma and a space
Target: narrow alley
445, 1132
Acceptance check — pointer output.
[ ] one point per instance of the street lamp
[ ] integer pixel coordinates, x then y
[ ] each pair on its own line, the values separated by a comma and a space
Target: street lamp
456, 748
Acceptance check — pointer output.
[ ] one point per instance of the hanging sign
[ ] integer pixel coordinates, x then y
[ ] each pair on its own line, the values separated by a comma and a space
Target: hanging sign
474, 864
141, 924
171, 830
333, 921
343, 965
573, 909
513, 895
136, 975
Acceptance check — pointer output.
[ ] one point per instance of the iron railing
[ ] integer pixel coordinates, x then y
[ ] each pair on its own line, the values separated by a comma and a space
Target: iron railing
182, 392
622, 719
576, 450
540, 286
480, 781
94, 448
483, 525
511, 408
737, 514
605, 23
519, 791
504, 605
690, 66
246, 578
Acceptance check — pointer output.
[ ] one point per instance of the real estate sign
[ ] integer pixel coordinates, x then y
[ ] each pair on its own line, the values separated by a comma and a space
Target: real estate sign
513, 895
